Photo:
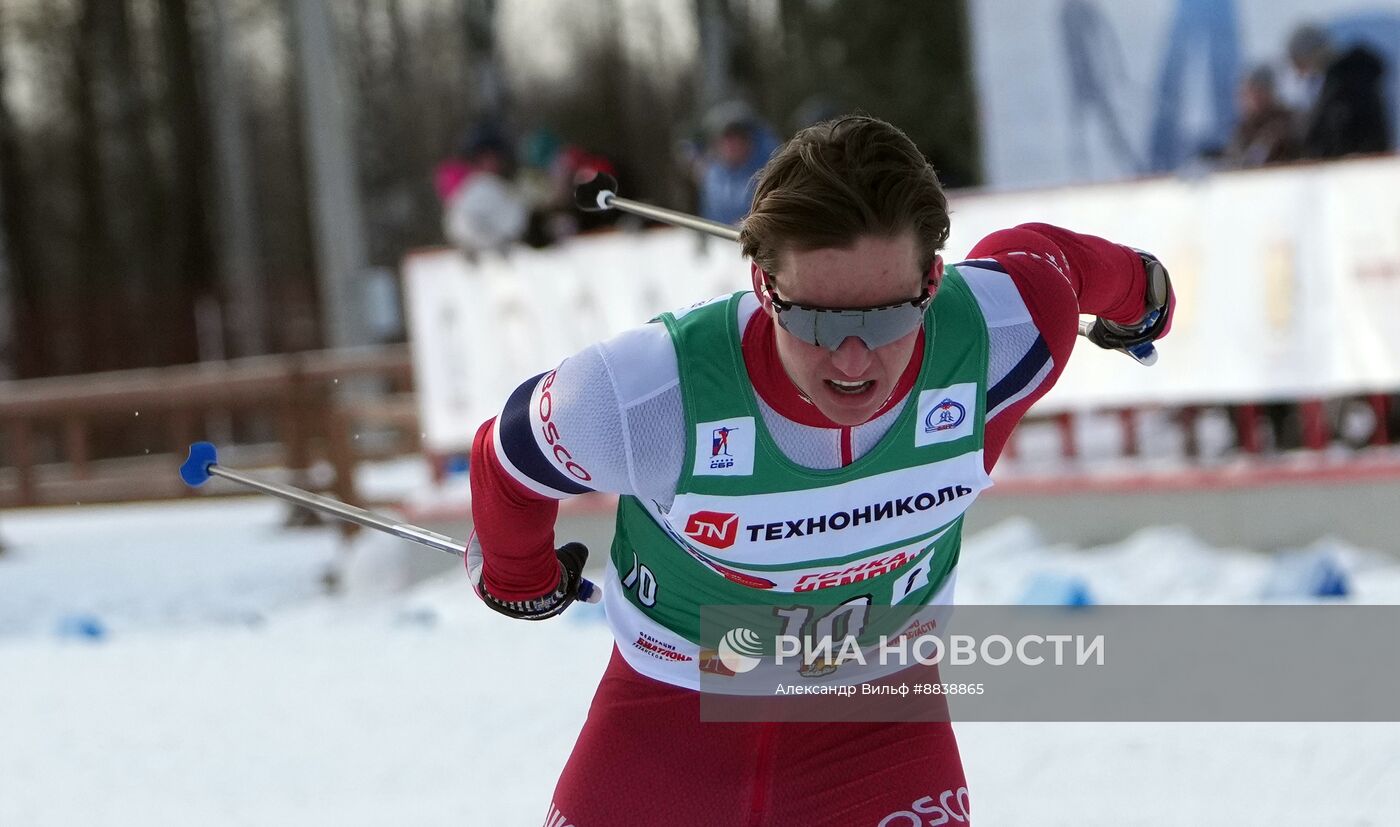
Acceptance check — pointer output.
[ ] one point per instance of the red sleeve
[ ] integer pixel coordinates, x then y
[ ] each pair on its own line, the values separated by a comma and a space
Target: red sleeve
514, 526
1108, 279
1059, 275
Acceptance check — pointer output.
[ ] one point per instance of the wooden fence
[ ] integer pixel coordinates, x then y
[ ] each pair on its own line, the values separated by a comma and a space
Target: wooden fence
314, 404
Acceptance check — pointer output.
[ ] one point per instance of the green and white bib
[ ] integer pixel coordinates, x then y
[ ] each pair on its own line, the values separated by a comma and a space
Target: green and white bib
749, 527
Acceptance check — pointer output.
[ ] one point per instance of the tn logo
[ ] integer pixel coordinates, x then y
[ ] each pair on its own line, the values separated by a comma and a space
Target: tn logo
715, 529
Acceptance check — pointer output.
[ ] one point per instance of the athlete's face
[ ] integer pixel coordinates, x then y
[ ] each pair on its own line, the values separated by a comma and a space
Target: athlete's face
848, 384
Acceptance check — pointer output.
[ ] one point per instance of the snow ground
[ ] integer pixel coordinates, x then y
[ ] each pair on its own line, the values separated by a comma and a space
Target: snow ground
178, 664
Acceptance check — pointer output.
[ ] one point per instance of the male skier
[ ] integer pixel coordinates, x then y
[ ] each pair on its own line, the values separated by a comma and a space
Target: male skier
761, 441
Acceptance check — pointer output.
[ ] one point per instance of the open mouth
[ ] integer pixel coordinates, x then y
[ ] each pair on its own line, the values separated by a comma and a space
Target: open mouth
850, 388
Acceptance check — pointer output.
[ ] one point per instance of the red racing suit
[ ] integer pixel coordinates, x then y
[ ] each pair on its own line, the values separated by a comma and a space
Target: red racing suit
644, 757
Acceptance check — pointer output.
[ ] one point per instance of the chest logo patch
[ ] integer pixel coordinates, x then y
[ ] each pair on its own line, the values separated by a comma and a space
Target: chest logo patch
724, 448
946, 414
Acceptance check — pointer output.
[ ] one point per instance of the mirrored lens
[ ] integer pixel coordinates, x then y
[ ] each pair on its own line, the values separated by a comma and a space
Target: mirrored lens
829, 328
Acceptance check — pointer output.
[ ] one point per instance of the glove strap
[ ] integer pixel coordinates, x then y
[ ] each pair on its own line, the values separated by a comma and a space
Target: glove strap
539, 608
1149, 326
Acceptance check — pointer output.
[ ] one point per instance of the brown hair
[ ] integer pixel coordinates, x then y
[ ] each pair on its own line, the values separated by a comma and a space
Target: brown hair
841, 179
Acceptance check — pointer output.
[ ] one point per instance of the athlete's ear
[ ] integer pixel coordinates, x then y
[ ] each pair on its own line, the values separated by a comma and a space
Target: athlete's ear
760, 281
935, 275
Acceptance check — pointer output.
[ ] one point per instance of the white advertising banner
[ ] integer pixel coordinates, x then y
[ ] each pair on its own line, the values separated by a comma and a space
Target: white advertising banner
1288, 280
480, 328
1288, 285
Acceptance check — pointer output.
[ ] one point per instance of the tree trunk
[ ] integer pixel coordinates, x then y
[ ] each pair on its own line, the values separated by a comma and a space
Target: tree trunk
484, 69
74, 295
21, 333
128, 198
244, 284
192, 253
328, 137
715, 59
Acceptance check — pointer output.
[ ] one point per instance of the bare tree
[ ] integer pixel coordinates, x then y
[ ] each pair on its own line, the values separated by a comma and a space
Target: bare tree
244, 284
326, 134
908, 64
119, 200
21, 350
188, 273
123, 204
484, 80
716, 43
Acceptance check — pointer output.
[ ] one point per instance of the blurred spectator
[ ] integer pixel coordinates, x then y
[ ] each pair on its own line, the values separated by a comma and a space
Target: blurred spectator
1348, 111
740, 146
574, 166
481, 209
551, 170
538, 151
1266, 133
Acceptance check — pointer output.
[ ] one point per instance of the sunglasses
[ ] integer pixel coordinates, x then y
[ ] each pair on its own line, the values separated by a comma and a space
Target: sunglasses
828, 327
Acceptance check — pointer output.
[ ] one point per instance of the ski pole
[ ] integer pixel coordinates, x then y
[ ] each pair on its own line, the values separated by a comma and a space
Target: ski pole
203, 463
1145, 353
599, 194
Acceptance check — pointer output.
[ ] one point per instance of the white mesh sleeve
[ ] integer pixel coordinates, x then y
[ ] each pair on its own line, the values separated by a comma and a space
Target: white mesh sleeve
578, 428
